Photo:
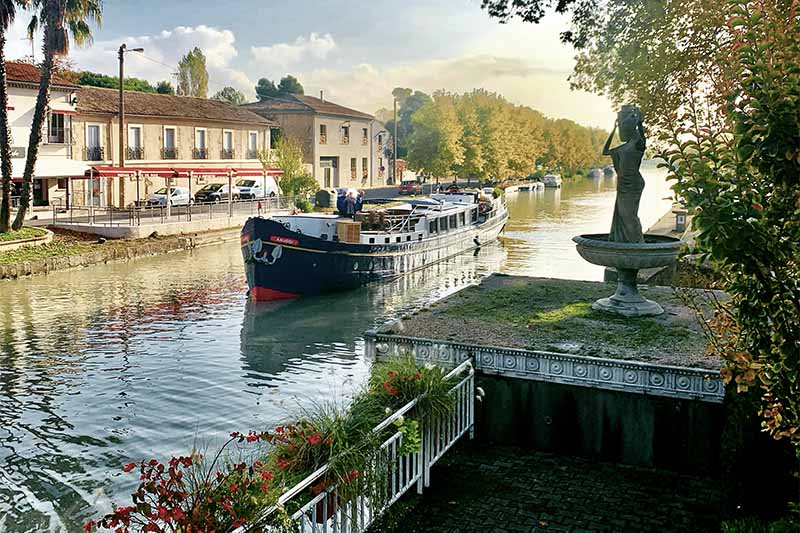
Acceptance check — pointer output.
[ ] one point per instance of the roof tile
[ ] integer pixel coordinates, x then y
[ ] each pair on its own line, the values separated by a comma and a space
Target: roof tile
27, 73
300, 102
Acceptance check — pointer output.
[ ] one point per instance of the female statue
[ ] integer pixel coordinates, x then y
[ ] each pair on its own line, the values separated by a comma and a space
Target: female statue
627, 158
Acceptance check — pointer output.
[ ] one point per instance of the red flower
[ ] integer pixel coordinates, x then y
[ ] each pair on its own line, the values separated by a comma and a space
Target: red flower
234, 488
391, 374
128, 467
758, 207
328, 441
163, 514
418, 376
89, 526
235, 435
266, 475
314, 439
265, 487
282, 463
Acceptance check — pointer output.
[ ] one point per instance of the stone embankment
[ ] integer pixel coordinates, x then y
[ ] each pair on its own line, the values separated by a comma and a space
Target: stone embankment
85, 254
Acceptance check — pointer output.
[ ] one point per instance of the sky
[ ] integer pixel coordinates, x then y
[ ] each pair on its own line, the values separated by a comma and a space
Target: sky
354, 51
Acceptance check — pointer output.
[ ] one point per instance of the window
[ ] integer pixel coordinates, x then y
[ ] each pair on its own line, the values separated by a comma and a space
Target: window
227, 144
364, 169
323, 134
380, 142
474, 215
352, 168
252, 145
345, 134
462, 219
434, 226
135, 150
452, 221
56, 133
364, 136
170, 151
200, 146
94, 151
62, 184
443, 224
380, 167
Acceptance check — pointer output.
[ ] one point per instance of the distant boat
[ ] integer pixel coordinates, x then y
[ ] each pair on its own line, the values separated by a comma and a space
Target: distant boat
524, 188
552, 181
595, 174
609, 172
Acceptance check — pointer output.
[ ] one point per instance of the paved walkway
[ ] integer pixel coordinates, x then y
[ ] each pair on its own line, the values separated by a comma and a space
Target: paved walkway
485, 489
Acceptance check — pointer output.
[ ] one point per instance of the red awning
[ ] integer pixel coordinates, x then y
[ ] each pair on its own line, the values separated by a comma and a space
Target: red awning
178, 172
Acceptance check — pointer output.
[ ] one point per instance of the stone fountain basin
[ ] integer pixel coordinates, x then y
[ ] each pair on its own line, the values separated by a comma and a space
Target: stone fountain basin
657, 251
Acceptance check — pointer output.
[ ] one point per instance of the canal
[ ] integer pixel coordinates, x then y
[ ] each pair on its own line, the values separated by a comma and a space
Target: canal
154, 357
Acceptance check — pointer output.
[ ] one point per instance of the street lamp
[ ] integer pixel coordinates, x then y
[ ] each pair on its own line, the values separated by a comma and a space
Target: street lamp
394, 150
122, 51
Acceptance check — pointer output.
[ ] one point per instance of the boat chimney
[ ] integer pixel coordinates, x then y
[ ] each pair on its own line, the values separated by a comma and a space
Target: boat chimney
322, 95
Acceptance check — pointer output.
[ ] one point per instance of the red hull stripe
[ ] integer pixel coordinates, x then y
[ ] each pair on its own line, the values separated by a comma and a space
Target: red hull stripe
263, 294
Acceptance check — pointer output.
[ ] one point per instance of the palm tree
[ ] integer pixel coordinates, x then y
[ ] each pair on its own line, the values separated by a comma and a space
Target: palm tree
8, 12
60, 19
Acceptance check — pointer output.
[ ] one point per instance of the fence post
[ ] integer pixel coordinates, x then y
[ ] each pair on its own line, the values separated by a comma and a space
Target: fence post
230, 193
189, 205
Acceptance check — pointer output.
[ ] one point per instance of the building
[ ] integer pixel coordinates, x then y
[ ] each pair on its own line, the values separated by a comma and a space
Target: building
55, 162
184, 140
342, 146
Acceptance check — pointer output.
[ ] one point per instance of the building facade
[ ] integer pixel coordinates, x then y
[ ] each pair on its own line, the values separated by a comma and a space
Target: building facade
166, 139
55, 163
342, 147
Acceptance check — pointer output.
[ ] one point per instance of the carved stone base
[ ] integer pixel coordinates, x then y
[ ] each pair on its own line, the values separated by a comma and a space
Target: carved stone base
627, 301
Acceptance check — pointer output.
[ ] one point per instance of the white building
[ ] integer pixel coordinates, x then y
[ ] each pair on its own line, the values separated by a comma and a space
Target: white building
54, 163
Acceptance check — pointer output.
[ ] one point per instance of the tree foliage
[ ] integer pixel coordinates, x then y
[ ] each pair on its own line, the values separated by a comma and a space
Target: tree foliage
193, 74
497, 139
288, 157
288, 85
94, 79
165, 87
408, 103
230, 95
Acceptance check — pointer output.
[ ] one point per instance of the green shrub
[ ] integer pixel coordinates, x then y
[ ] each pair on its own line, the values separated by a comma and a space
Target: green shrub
304, 205
498, 192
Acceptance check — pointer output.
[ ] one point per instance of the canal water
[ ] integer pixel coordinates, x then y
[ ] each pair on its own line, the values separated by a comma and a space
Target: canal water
154, 357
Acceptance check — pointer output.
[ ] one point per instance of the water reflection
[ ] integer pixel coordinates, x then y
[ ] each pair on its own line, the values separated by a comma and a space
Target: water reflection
148, 358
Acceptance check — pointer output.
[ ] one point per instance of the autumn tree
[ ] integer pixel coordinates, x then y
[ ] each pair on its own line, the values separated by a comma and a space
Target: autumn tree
435, 147
230, 95
193, 74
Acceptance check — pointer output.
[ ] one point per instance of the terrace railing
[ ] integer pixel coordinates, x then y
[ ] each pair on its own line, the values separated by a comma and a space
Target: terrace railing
393, 474
142, 215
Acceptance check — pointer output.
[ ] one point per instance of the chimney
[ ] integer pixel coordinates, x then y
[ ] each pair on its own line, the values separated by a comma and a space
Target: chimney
322, 95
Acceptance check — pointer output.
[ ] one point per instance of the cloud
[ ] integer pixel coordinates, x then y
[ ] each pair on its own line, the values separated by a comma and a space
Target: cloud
163, 50
368, 87
277, 59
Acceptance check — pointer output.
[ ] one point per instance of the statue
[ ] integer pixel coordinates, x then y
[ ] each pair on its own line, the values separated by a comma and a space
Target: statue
627, 157
625, 248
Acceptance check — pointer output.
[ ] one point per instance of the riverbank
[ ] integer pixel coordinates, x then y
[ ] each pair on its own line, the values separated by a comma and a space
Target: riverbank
70, 249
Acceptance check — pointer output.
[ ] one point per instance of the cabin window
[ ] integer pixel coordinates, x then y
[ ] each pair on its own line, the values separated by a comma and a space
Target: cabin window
434, 225
387, 240
397, 239
324, 236
408, 237
443, 224
372, 240
420, 236
474, 215
452, 221
462, 218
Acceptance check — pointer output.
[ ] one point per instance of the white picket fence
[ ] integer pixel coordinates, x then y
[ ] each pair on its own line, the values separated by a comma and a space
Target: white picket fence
327, 513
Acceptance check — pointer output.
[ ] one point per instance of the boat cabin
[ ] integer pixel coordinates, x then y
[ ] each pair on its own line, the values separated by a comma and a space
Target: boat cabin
398, 223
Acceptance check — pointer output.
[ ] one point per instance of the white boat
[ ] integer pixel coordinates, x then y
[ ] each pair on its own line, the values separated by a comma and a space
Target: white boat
595, 173
552, 181
524, 188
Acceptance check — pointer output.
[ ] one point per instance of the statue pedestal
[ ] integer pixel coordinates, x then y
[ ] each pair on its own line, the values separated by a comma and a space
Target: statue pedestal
627, 301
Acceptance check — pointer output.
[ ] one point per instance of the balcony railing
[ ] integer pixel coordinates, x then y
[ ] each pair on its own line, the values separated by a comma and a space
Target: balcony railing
200, 153
323, 138
135, 153
228, 153
169, 153
345, 140
252, 154
95, 153
59, 137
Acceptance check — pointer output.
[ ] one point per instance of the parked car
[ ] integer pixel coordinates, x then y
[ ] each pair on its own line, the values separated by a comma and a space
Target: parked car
410, 187
178, 196
252, 188
215, 193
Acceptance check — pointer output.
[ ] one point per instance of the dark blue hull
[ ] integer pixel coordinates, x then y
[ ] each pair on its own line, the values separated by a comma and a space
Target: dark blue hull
280, 263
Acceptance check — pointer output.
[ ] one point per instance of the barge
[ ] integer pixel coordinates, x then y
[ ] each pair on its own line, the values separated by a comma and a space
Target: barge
305, 254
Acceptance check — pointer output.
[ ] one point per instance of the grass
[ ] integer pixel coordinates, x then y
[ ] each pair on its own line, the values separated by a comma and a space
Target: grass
556, 315
25, 233
64, 243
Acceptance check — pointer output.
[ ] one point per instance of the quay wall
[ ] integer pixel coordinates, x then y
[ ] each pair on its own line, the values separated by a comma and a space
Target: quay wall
116, 251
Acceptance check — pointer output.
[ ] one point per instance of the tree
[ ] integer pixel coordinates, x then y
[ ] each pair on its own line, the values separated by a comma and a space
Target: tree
230, 95
7, 15
288, 157
94, 79
289, 85
408, 102
266, 89
165, 87
435, 145
61, 19
193, 74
